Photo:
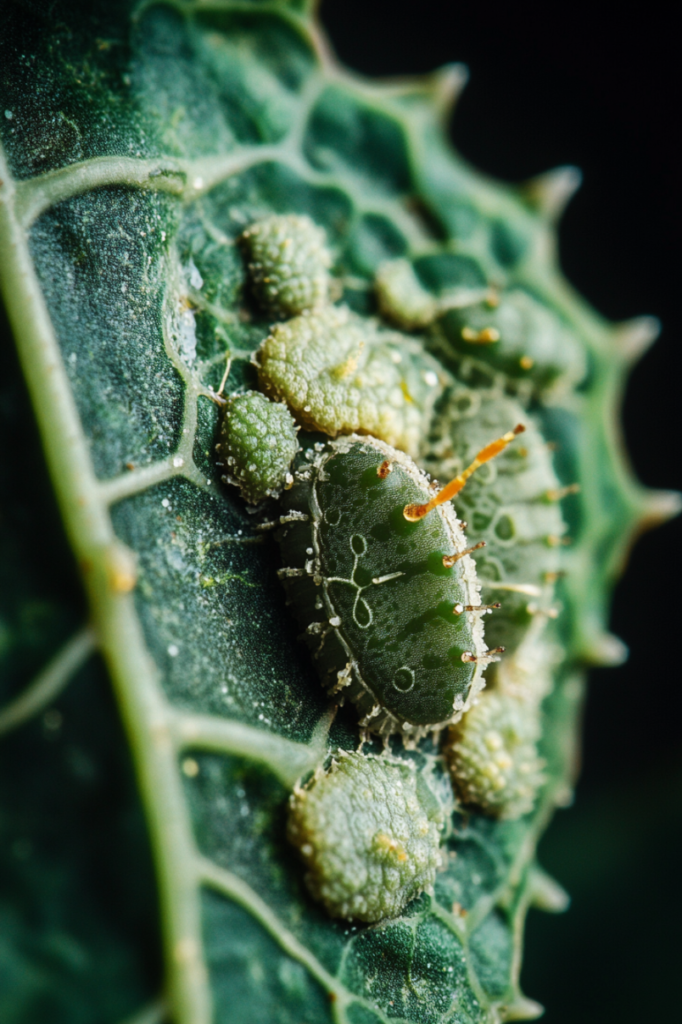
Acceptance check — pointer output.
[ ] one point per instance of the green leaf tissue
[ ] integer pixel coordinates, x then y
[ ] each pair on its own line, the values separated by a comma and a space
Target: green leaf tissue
311, 505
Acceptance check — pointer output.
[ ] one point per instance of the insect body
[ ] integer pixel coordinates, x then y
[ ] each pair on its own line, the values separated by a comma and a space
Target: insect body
514, 508
341, 374
257, 445
390, 607
493, 756
288, 264
518, 336
509, 333
368, 831
512, 505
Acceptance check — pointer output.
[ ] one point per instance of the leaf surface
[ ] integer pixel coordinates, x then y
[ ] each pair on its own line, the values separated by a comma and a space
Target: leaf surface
138, 144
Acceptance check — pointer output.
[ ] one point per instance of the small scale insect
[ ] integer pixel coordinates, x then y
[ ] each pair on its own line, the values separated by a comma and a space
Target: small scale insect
288, 263
493, 758
257, 445
510, 332
513, 510
368, 831
341, 374
517, 336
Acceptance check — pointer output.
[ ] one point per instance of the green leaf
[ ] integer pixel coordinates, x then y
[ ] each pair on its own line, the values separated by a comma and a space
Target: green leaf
78, 930
138, 142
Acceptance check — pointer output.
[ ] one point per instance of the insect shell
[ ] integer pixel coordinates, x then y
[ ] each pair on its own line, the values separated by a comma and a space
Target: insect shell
389, 606
368, 831
288, 263
257, 445
341, 374
512, 505
493, 758
509, 332
518, 336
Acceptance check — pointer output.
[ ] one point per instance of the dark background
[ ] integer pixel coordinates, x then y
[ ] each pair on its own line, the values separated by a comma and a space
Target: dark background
596, 85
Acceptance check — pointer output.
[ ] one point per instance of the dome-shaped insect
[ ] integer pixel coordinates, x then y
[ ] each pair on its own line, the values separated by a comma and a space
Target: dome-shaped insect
517, 336
341, 374
368, 831
509, 332
288, 263
379, 575
257, 445
493, 756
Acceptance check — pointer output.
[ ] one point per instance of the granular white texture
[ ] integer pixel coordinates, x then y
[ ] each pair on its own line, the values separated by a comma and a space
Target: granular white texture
341, 374
493, 757
288, 264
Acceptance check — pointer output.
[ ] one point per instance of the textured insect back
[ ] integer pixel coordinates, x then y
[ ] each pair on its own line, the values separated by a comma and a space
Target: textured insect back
512, 505
368, 831
341, 374
406, 300
517, 336
257, 445
402, 298
493, 757
288, 264
492, 752
388, 606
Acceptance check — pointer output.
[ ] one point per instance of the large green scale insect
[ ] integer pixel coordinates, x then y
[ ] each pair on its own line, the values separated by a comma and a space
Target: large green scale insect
391, 607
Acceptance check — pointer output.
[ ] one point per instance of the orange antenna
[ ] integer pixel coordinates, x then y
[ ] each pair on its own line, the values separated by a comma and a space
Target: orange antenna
415, 512
449, 560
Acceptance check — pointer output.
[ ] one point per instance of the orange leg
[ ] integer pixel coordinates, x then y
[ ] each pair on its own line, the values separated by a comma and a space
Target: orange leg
415, 512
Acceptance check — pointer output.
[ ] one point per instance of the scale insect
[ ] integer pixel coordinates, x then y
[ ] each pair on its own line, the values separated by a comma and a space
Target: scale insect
288, 262
257, 445
514, 507
512, 334
368, 831
493, 757
340, 373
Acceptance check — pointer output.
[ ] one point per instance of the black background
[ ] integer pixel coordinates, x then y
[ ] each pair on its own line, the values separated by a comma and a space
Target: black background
596, 85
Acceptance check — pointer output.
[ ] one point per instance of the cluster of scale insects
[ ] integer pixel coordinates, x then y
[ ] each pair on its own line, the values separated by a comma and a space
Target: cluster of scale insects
392, 590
